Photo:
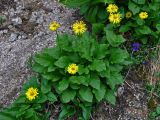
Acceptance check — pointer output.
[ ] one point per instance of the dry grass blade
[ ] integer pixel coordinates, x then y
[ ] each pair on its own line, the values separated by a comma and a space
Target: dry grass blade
153, 76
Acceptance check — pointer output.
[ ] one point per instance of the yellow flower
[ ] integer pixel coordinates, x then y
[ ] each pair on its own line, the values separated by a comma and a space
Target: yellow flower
79, 27
143, 15
54, 26
72, 69
32, 93
112, 8
115, 18
128, 15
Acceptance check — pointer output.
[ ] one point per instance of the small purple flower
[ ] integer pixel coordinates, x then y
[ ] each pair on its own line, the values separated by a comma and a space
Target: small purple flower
145, 62
135, 47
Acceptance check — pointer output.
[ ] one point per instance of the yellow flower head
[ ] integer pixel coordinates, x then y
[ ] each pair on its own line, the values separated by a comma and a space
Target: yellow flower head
32, 93
143, 15
115, 18
128, 15
72, 69
112, 8
79, 27
54, 26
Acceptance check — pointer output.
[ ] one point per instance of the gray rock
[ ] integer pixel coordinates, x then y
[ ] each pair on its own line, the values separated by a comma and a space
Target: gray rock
120, 91
37, 16
11, 12
3, 32
22, 35
13, 37
16, 21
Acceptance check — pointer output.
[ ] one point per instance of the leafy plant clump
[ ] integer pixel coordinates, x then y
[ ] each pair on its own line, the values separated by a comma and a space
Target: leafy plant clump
153, 90
25, 109
137, 20
96, 79
2, 19
79, 73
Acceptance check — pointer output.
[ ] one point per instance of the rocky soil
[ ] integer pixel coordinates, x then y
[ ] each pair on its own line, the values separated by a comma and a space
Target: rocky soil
25, 32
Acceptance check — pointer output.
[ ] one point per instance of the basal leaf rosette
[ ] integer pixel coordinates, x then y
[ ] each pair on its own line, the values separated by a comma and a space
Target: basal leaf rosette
31, 102
81, 70
138, 17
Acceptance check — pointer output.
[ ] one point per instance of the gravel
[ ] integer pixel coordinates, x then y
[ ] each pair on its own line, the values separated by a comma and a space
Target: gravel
13, 37
24, 33
16, 21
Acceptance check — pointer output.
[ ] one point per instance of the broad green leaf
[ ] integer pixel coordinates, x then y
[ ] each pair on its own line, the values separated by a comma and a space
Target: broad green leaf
140, 21
104, 1
24, 107
124, 28
98, 65
53, 52
82, 70
62, 62
36, 106
144, 30
158, 110
158, 26
38, 68
51, 68
33, 81
154, 6
79, 80
68, 95
74, 57
86, 47
101, 51
97, 28
139, 1
43, 59
115, 79
99, 94
108, 1
84, 8
113, 39
63, 42
86, 94
86, 111
45, 87
51, 76
63, 85
66, 111
21, 99
74, 86
55, 78
102, 15
29, 113
74, 3
105, 74
51, 97
110, 96
118, 55
95, 81
7, 116
42, 98
46, 116
92, 14
133, 7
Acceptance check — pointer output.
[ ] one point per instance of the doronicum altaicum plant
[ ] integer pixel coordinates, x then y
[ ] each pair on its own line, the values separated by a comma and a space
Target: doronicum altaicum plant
82, 71
33, 102
137, 20
93, 10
